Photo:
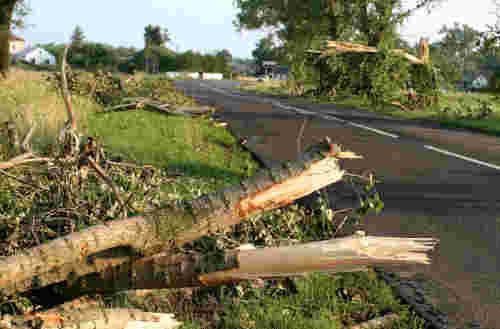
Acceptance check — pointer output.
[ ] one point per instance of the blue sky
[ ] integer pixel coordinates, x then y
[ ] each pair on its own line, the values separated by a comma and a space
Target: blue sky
203, 25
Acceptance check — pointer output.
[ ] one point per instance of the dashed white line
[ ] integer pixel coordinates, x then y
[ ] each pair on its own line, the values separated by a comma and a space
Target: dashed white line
378, 131
486, 164
372, 129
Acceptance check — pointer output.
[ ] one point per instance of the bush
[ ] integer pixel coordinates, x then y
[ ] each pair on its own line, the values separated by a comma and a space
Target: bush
482, 110
494, 82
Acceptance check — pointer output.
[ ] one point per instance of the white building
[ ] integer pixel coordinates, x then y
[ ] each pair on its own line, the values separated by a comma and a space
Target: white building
480, 82
35, 55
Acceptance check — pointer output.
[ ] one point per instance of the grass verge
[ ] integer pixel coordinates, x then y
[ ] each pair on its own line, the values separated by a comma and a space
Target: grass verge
190, 157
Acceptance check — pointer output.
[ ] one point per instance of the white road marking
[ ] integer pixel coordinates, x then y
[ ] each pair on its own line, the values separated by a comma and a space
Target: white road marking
486, 164
378, 131
372, 129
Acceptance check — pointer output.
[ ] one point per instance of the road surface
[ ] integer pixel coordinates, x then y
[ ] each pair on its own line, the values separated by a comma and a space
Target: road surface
435, 182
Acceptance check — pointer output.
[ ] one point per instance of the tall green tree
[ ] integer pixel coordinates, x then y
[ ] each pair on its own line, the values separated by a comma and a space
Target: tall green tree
12, 13
459, 45
223, 59
156, 35
266, 50
77, 38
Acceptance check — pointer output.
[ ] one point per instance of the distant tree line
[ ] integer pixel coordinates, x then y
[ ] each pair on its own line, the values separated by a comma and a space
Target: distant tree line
92, 56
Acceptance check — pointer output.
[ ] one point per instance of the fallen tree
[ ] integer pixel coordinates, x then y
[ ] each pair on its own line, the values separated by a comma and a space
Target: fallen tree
136, 103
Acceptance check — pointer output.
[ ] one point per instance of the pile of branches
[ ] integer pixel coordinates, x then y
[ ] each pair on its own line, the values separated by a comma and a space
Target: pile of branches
127, 245
130, 93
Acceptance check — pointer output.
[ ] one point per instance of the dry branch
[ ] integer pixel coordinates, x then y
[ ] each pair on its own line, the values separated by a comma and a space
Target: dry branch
65, 93
177, 224
18, 162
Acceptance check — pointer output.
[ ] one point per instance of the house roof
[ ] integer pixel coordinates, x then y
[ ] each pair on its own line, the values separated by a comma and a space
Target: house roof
28, 50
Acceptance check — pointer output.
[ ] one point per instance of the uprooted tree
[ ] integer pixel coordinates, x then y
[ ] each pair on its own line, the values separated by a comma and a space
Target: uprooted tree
145, 251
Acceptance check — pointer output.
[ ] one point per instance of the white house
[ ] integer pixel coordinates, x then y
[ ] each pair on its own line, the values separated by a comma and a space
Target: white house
35, 55
16, 44
480, 82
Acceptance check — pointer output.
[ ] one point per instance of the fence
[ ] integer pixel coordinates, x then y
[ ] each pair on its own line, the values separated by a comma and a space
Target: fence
195, 75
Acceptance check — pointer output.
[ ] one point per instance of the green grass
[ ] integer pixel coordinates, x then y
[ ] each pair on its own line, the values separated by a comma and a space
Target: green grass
489, 125
318, 304
195, 147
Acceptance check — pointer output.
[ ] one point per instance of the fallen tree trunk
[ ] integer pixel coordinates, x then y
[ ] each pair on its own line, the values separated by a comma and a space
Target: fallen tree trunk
149, 105
179, 271
71, 256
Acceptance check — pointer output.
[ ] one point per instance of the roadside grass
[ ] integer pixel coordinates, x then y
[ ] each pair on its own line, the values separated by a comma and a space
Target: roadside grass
28, 100
195, 147
191, 157
457, 102
269, 87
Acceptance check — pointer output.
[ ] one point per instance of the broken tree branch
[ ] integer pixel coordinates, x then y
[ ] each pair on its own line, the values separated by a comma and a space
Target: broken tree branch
339, 46
176, 224
107, 180
21, 161
65, 92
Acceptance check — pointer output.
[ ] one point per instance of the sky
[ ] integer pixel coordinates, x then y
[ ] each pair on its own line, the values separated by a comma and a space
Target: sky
202, 25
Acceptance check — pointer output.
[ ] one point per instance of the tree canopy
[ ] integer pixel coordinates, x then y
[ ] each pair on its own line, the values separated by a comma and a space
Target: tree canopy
12, 13
266, 50
156, 35
78, 37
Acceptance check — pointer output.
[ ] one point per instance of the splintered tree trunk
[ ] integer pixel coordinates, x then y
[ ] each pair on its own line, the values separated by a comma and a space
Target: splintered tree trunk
6, 11
77, 254
337, 255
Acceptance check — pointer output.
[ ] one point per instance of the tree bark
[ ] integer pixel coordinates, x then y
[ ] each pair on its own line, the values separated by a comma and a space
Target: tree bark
6, 11
77, 254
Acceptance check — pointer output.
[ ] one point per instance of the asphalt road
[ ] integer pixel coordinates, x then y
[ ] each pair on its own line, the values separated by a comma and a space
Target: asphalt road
435, 182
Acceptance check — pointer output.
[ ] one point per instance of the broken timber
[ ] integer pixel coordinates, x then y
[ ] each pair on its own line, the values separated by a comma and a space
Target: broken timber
337, 255
343, 47
71, 256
